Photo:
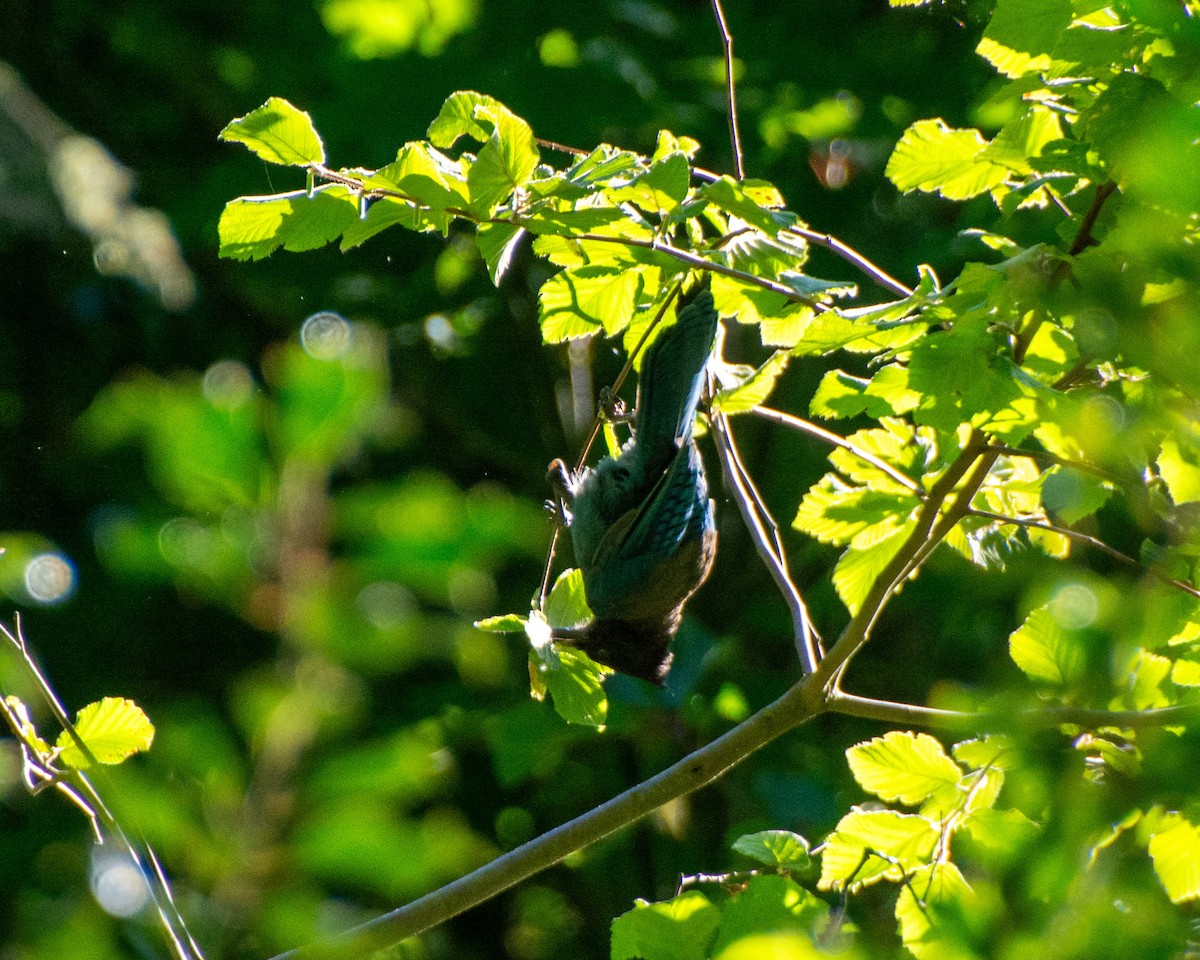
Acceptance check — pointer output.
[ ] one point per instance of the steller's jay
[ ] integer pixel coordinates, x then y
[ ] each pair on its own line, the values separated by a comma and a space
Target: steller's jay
642, 524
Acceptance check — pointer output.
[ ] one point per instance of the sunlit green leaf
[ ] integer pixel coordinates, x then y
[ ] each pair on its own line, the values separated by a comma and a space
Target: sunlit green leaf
938, 914
754, 391
869, 555
769, 905
678, 929
872, 845
279, 133
905, 767
935, 158
1179, 465
775, 848
1175, 851
113, 729
1045, 650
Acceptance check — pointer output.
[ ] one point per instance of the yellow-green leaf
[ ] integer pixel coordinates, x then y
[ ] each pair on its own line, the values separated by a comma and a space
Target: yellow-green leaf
935, 158
1176, 855
113, 728
906, 767
279, 133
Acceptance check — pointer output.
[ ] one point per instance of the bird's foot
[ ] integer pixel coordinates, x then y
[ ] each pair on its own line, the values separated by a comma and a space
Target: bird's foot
612, 407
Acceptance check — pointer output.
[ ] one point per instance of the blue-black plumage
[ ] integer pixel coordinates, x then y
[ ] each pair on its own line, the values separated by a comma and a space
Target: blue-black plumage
642, 523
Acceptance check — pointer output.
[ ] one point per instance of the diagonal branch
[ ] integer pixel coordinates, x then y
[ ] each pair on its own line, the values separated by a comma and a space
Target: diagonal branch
767, 542
694, 771
852, 256
806, 426
735, 137
887, 711
1090, 541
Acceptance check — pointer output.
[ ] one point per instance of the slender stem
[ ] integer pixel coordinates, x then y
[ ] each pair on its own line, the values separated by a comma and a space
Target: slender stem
852, 256
768, 545
1090, 541
1083, 238
806, 426
699, 263
735, 137
910, 714
694, 771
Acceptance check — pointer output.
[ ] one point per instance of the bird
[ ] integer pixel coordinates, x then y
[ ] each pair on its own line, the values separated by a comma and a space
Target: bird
642, 525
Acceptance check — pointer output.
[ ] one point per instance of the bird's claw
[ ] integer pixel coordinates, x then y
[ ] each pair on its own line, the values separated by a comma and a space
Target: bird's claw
612, 407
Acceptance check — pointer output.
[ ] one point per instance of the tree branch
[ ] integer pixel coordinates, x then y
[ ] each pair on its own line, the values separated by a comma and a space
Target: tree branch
806, 426
694, 771
768, 544
1090, 541
852, 256
735, 137
851, 705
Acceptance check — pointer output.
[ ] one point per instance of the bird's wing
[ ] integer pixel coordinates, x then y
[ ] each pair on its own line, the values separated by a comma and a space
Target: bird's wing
633, 569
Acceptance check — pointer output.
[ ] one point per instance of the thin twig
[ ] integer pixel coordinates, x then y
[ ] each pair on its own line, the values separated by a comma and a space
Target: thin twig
887, 711
768, 545
699, 263
805, 426
852, 256
1090, 541
735, 137
1083, 237
173, 923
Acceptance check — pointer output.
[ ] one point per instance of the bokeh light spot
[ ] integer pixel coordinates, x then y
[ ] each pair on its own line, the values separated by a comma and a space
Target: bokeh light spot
325, 335
49, 578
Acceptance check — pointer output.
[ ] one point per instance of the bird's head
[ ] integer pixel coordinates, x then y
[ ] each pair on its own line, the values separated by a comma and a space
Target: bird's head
637, 648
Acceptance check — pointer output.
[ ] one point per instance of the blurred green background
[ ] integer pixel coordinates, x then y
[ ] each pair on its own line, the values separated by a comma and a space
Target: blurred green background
277, 543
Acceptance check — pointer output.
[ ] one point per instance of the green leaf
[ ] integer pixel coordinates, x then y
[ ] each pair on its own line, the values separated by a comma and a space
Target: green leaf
389, 212
249, 227
860, 566
505, 623
460, 116
678, 929
113, 729
769, 905
754, 390
279, 133
775, 848
954, 371
1175, 852
834, 513
575, 683
938, 912
842, 395
1024, 138
906, 842
1072, 495
910, 768
935, 158
579, 302
1046, 651
990, 750
1002, 834
660, 189
254, 227
1179, 465
1021, 35
498, 244
505, 162
737, 198
566, 606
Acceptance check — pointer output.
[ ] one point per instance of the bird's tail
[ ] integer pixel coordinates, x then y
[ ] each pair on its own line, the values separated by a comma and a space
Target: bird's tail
671, 377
